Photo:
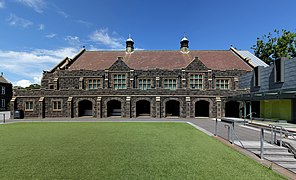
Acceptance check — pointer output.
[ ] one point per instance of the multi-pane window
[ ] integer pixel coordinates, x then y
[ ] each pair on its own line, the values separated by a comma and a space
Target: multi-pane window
3, 103
56, 105
222, 84
2, 90
144, 84
119, 81
29, 105
196, 81
94, 84
170, 84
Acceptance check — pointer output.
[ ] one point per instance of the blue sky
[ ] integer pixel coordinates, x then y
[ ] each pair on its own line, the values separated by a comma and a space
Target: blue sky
37, 34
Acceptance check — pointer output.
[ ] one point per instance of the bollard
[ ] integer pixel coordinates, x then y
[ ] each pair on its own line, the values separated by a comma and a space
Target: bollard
274, 137
4, 118
232, 133
261, 143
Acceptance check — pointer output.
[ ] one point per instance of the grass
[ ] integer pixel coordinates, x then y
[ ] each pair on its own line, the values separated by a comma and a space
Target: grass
119, 151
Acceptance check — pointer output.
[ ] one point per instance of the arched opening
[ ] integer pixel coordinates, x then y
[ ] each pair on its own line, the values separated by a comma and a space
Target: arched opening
143, 108
232, 109
172, 108
202, 108
113, 108
85, 108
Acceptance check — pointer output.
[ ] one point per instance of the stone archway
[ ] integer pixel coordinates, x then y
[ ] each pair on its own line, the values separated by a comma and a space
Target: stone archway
172, 108
114, 108
143, 108
85, 108
232, 109
202, 108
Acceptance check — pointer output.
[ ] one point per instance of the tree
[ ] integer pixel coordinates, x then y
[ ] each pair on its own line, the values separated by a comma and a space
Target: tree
33, 86
277, 45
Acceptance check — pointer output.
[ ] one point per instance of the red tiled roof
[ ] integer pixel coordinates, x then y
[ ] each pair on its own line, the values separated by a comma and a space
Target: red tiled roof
143, 60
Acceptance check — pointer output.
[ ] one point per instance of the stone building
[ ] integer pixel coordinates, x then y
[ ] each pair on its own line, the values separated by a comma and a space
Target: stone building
138, 83
5, 93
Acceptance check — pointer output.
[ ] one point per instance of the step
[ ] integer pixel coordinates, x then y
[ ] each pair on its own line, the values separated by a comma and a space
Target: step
281, 160
275, 153
268, 149
288, 165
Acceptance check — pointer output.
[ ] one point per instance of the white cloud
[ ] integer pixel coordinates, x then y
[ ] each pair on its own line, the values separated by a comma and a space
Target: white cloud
84, 22
102, 36
41, 27
64, 14
73, 40
50, 36
27, 67
37, 5
2, 3
14, 20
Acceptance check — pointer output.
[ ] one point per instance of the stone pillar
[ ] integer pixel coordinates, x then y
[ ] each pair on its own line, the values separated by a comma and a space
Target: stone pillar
219, 109
12, 107
99, 107
41, 113
128, 107
183, 79
81, 83
106, 80
131, 79
69, 104
157, 82
235, 84
188, 107
210, 80
158, 107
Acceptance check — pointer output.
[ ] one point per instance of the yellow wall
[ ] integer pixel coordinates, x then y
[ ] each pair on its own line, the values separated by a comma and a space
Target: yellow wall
276, 109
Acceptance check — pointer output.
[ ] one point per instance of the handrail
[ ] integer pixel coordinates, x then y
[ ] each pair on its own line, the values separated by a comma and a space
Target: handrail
274, 129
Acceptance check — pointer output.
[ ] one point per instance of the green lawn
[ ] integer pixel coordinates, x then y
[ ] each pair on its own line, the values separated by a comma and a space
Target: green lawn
119, 151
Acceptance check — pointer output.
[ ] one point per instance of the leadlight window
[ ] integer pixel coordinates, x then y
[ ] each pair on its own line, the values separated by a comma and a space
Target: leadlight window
2, 90
56, 105
196, 81
222, 84
94, 84
144, 84
119, 81
29, 106
170, 84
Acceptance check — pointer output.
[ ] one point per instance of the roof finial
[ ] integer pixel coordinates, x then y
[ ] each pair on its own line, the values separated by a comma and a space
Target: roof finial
129, 38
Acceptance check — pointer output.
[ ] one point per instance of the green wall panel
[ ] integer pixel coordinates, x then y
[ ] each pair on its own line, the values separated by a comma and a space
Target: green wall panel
276, 109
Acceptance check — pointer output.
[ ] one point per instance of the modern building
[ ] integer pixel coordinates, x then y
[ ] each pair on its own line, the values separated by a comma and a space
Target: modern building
5, 93
272, 91
139, 83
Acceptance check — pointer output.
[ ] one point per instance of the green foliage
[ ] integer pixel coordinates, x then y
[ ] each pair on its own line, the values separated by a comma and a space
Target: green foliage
276, 45
33, 86
119, 151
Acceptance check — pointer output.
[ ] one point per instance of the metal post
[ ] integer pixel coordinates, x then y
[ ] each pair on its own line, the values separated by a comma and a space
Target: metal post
281, 133
274, 135
232, 133
261, 143
216, 127
3, 118
228, 133
271, 133
251, 114
245, 112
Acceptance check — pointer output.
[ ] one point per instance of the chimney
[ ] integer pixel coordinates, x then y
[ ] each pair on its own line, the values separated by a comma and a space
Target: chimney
129, 44
184, 44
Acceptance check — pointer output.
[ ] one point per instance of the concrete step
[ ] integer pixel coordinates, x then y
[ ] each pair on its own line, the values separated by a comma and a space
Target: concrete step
281, 160
268, 149
288, 165
275, 153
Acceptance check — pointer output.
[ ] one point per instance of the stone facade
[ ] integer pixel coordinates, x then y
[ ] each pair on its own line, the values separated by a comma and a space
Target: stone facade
5, 93
68, 92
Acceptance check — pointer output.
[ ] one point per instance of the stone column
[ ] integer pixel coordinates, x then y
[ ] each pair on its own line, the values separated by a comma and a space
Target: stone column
235, 84
41, 113
157, 82
158, 107
69, 104
106, 80
128, 107
183, 79
188, 107
219, 109
81, 83
99, 107
12, 107
131, 79
210, 80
